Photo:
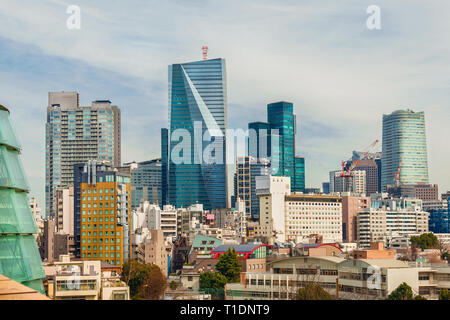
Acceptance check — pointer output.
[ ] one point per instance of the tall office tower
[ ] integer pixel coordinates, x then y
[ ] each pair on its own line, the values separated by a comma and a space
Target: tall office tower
197, 112
77, 134
19, 255
145, 182
102, 212
164, 166
356, 183
259, 141
298, 184
371, 169
280, 116
404, 146
247, 169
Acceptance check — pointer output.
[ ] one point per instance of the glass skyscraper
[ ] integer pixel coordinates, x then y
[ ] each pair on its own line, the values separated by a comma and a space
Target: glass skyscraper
19, 255
404, 144
298, 184
280, 116
198, 108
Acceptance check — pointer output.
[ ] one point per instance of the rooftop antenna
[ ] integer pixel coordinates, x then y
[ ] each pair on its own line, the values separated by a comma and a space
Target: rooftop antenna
205, 52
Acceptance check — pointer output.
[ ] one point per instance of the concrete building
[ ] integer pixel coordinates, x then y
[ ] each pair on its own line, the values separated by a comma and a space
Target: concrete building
76, 134
355, 184
313, 214
155, 249
390, 217
64, 210
425, 192
351, 205
376, 251
271, 191
84, 280
152, 217
352, 279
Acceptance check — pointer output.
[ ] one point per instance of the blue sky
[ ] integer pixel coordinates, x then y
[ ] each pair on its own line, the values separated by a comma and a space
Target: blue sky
319, 55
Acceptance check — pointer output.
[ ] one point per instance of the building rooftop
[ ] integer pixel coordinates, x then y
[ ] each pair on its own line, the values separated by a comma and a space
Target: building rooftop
241, 248
12, 290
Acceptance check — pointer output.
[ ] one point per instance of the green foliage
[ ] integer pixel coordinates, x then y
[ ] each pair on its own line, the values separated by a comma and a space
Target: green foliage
173, 285
425, 241
213, 283
444, 294
229, 265
419, 297
403, 292
146, 281
313, 291
210, 280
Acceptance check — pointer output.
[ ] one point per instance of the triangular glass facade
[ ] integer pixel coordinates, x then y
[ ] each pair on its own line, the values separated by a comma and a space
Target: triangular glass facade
19, 255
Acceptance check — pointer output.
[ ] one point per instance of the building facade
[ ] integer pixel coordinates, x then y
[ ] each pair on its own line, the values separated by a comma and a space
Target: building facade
404, 146
197, 171
76, 134
145, 182
102, 212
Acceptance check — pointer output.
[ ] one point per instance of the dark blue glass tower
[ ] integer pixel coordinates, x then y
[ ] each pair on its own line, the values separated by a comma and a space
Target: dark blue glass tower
197, 104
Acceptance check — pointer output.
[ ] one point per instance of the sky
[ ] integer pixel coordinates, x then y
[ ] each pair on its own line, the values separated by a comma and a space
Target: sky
319, 55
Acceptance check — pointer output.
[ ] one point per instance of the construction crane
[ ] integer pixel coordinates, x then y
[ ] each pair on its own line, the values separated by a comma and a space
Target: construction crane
346, 172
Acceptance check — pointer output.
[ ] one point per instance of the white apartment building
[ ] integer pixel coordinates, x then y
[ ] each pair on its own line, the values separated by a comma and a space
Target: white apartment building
313, 214
271, 191
150, 216
355, 184
393, 218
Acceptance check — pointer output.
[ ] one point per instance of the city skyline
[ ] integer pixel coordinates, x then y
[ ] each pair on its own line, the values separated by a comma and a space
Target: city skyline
382, 70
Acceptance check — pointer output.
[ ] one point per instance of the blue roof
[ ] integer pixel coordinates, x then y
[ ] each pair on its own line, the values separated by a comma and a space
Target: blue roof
238, 247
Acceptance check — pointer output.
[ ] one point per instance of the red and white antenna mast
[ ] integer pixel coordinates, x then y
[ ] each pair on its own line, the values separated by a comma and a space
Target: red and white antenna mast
205, 52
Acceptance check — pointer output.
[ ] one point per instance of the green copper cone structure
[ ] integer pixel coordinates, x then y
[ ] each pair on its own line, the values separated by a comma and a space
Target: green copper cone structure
19, 255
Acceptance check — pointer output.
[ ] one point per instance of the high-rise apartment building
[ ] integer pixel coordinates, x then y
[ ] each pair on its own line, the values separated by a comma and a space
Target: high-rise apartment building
404, 147
102, 212
76, 134
355, 183
247, 169
197, 171
145, 182
19, 255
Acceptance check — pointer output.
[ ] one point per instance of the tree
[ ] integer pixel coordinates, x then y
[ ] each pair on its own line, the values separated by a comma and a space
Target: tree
444, 294
134, 273
425, 241
146, 281
313, 291
403, 292
154, 283
213, 283
229, 265
173, 285
419, 297
210, 280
